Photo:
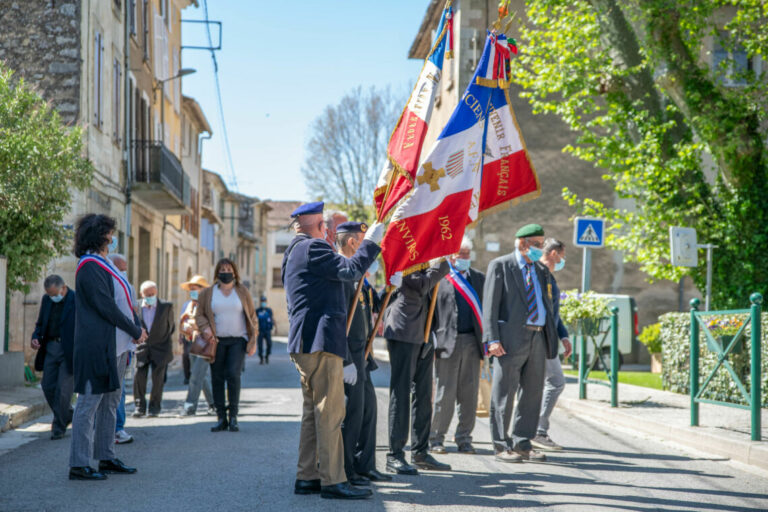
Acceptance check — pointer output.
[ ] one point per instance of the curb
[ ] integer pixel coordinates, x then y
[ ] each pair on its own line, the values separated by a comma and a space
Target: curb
744, 451
12, 416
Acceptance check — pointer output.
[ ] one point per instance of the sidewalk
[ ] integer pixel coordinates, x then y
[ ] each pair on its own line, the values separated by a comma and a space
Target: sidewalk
21, 404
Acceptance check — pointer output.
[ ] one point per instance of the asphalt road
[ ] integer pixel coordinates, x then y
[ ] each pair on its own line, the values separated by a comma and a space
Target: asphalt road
184, 467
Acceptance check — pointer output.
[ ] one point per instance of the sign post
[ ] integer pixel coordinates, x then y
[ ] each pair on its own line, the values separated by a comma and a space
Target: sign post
684, 253
588, 233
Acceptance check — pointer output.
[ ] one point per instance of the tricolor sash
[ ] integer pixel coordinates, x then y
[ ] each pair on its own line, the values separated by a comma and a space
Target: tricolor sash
465, 290
104, 264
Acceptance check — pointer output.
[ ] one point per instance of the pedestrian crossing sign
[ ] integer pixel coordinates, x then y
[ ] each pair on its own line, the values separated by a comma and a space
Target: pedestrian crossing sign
589, 232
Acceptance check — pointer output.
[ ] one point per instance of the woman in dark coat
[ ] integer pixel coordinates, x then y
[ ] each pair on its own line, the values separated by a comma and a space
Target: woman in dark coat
105, 325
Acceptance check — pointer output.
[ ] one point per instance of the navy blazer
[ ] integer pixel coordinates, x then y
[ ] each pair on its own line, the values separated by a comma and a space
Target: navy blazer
312, 275
66, 329
97, 318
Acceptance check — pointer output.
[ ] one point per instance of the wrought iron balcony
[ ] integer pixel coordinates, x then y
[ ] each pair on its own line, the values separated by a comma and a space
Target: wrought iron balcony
159, 179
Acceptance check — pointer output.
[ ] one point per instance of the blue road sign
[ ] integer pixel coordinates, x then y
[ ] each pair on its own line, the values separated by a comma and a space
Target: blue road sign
588, 232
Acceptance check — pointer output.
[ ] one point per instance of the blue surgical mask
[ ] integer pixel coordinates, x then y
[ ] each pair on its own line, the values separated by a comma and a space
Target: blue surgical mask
150, 301
113, 244
534, 254
194, 294
263, 304
57, 298
462, 265
374, 267
559, 265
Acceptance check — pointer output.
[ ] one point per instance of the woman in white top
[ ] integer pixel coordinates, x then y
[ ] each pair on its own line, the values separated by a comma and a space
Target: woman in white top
226, 316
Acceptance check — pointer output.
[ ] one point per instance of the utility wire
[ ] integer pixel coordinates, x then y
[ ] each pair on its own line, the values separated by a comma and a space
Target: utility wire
228, 151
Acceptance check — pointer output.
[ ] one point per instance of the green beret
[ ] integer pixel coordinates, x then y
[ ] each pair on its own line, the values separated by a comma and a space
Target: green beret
530, 230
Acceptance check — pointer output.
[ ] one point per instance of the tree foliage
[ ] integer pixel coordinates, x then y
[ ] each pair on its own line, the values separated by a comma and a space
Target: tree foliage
40, 162
662, 98
347, 148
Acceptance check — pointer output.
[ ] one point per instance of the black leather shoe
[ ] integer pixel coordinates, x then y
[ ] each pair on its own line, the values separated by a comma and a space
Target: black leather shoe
344, 491
399, 466
375, 475
266, 359
233, 426
115, 466
221, 425
86, 473
426, 461
56, 436
306, 487
359, 480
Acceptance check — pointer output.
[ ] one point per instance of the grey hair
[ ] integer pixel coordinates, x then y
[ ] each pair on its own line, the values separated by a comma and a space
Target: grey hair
343, 238
146, 285
466, 243
330, 214
553, 244
53, 280
116, 256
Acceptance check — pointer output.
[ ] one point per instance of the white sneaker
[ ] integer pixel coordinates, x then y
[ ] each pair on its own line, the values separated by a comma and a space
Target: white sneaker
123, 437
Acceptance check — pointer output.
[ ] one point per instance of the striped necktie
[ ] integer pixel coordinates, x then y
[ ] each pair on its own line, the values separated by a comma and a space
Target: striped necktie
530, 293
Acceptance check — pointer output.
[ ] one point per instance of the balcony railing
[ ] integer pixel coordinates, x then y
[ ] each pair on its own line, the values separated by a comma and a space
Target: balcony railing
158, 177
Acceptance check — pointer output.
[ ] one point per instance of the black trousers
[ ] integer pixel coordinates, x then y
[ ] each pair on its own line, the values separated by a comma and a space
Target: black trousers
265, 337
140, 387
410, 391
186, 363
226, 369
359, 427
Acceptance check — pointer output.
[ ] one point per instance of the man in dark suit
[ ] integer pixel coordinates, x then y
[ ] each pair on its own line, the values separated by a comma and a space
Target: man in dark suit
411, 361
359, 427
519, 328
458, 351
160, 323
313, 274
54, 339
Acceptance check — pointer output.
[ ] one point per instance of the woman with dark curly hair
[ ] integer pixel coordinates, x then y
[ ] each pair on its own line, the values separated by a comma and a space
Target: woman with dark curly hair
105, 328
226, 316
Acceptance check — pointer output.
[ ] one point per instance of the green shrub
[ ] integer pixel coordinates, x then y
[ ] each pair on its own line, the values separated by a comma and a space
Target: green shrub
675, 376
651, 338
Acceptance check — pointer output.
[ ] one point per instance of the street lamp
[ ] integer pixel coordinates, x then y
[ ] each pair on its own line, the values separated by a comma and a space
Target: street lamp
161, 85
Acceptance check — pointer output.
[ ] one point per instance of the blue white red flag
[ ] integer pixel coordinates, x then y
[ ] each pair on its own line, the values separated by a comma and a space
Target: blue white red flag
467, 291
478, 164
407, 139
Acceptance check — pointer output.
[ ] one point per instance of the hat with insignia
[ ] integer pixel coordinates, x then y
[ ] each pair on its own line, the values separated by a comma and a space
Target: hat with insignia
529, 230
308, 208
351, 227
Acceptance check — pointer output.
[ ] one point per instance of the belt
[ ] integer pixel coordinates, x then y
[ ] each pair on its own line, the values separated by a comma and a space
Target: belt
53, 339
536, 328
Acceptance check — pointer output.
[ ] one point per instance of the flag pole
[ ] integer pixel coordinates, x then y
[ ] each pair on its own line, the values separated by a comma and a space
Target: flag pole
353, 306
432, 305
384, 304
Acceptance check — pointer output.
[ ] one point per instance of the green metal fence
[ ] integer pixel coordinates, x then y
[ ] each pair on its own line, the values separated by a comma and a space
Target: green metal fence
722, 349
597, 338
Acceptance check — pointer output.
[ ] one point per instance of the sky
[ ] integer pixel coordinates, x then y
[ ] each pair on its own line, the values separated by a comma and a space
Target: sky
281, 63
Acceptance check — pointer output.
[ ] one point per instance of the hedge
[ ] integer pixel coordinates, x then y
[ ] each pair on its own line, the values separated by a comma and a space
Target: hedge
676, 339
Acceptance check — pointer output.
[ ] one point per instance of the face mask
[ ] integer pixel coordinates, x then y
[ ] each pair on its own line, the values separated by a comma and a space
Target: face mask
113, 244
263, 304
559, 265
462, 265
374, 267
57, 298
534, 253
226, 277
194, 294
150, 301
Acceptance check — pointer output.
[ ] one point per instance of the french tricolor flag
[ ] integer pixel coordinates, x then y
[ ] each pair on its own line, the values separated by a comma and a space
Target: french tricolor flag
477, 165
407, 139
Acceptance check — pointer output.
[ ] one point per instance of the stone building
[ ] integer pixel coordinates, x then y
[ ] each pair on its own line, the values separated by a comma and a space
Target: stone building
278, 237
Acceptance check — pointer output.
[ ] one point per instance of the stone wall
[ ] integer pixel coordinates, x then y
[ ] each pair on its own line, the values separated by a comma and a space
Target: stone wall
40, 41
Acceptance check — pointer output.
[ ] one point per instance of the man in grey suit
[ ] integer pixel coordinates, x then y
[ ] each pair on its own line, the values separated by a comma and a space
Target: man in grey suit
458, 351
411, 361
519, 328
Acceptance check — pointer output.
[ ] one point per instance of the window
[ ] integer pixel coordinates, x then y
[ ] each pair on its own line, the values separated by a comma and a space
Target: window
281, 248
277, 277
732, 63
133, 16
117, 75
98, 79
145, 25
160, 52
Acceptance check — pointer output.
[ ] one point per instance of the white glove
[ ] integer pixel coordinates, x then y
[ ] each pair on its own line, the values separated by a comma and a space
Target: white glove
396, 280
350, 374
376, 232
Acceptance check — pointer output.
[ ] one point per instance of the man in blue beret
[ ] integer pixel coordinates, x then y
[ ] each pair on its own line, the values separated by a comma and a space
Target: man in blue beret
519, 329
313, 275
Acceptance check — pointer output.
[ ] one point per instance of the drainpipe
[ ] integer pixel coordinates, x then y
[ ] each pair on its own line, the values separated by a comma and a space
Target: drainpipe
200, 182
127, 125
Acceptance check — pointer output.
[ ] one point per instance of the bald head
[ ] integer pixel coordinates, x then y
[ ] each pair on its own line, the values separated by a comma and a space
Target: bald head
119, 261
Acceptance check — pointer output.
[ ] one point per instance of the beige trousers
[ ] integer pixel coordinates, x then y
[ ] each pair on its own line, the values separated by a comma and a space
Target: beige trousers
321, 448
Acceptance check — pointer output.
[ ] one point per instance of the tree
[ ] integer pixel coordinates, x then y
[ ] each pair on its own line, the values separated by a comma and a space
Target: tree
347, 148
40, 162
678, 129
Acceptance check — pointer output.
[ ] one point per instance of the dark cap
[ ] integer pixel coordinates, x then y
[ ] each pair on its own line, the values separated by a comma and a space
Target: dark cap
308, 208
351, 227
530, 230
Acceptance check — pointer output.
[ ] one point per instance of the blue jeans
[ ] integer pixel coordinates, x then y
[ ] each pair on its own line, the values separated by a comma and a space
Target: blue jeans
120, 423
197, 382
